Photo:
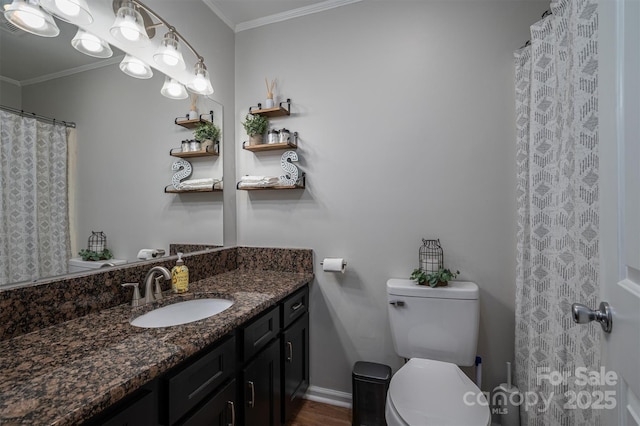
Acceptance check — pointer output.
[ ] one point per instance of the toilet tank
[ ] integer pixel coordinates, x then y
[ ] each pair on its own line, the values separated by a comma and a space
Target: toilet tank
439, 323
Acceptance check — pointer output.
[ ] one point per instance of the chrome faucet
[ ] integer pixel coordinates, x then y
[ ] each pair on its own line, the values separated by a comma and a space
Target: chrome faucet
149, 280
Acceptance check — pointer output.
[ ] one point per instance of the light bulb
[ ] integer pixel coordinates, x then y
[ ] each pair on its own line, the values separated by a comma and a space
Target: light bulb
199, 83
68, 7
128, 28
34, 18
91, 43
134, 67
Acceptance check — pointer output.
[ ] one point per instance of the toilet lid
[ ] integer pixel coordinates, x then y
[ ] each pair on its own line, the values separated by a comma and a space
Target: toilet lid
427, 392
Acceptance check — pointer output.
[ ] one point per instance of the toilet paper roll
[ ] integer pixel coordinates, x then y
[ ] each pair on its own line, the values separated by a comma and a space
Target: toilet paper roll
147, 254
335, 264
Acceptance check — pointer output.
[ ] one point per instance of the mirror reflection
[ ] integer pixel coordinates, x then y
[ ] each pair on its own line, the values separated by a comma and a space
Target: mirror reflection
113, 168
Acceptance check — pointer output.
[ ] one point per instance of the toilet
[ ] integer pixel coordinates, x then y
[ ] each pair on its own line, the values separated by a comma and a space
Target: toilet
436, 329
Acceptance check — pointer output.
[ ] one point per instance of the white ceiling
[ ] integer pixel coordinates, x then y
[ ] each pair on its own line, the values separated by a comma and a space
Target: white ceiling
53, 57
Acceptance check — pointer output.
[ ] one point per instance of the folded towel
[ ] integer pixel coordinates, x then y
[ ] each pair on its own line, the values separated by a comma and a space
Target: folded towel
242, 185
260, 179
199, 183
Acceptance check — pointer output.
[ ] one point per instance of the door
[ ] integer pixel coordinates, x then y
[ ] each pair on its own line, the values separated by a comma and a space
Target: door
295, 355
262, 388
619, 106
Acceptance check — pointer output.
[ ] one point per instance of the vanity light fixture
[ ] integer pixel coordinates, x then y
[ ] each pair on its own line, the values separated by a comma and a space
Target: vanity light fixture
134, 26
30, 17
91, 45
75, 11
169, 51
201, 84
134, 67
129, 25
173, 89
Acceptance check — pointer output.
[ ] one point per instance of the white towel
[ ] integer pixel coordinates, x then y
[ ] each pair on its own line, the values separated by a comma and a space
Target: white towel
258, 181
199, 183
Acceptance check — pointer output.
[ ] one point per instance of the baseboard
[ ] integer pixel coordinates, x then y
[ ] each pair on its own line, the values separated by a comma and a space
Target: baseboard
328, 396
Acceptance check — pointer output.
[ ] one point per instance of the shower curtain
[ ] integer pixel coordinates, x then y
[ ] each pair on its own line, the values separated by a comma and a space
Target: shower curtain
34, 227
557, 235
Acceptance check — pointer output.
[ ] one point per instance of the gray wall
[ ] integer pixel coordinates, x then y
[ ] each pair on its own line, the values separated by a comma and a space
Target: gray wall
125, 131
10, 94
406, 119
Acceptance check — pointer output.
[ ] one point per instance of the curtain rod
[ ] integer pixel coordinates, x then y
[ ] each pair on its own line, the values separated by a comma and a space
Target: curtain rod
38, 116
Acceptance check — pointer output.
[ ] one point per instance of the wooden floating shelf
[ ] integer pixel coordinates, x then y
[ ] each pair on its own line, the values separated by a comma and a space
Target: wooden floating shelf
210, 152
171, 190
278, 111
272, 188
269, 146
191, 124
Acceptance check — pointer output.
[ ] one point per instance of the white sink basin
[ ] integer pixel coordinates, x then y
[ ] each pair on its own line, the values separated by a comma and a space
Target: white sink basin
181, 313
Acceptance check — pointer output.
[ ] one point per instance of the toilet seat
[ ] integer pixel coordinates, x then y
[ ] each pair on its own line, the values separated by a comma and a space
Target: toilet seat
428, 392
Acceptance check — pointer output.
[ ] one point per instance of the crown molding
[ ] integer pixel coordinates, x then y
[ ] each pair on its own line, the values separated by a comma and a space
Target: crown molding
277, 17
71, 71
218, 12
10, 81
294, 13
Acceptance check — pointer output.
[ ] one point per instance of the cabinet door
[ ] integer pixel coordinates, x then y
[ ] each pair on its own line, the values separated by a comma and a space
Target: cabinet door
295, 365
139, 408
220, 410
261, 382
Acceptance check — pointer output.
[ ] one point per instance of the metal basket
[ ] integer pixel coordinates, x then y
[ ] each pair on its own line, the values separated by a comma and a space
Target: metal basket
97, 242
431, 256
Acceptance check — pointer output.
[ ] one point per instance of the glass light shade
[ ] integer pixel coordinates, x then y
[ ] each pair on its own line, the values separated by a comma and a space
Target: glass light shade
201, 83
91, 45
172, 89
29, 17
75, 11
168, 54
129, 26
134, 67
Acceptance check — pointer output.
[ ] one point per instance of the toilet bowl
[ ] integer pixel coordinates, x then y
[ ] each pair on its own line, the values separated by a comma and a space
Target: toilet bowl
425, 392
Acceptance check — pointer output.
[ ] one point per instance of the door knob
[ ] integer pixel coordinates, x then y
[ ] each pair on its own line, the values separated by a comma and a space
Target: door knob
583, 314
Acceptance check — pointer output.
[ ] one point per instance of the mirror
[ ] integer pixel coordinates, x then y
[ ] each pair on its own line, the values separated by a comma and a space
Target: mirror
125, 131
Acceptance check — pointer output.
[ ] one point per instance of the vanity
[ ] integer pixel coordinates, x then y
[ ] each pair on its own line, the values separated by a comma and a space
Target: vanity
246, 365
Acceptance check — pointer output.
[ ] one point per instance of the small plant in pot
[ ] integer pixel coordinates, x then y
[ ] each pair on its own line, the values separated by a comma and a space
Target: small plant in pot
255, 126
439, 278
95, 255
207, 134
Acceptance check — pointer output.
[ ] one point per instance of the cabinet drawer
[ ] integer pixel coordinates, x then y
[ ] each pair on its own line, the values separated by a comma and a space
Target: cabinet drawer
192, 383
258, 333
294, 306
218, 410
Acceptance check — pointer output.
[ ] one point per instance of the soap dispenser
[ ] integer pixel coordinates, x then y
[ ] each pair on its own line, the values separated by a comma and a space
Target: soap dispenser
180, 276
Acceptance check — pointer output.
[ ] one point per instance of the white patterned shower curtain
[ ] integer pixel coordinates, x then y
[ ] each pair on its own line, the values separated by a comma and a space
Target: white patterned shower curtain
34, 224
557, 235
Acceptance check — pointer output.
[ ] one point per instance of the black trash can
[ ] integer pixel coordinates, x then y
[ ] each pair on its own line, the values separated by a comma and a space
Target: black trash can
370, 382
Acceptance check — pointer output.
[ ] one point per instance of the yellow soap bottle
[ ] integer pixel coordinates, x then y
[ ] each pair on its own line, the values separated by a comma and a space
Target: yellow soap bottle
180, 276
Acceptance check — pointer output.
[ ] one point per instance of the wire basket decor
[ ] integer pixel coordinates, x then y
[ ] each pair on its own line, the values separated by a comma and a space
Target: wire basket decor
431, 256
97, 242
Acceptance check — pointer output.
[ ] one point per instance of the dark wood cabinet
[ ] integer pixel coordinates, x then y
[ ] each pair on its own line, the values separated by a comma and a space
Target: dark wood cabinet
261, 388
295, 366
139, 409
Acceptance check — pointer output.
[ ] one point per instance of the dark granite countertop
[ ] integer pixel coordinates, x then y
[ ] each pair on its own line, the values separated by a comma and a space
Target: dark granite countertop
66, 373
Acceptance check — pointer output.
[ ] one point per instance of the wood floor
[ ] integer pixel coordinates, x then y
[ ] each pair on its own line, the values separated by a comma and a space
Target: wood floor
313, 413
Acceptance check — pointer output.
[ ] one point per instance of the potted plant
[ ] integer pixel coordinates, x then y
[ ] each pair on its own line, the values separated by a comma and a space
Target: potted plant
207, 134
255, 126
440, 278
94, 255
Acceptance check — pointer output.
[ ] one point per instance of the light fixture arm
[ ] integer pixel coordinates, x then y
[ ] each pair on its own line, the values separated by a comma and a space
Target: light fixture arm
169, 26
